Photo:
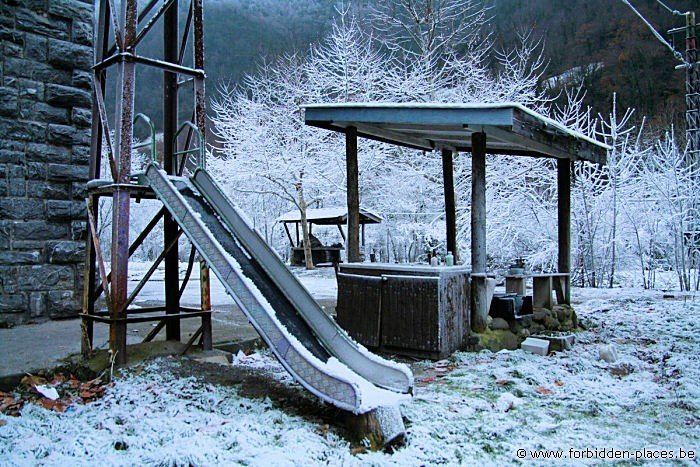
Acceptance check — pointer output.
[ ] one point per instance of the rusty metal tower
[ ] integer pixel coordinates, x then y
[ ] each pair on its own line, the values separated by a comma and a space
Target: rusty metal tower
120, 27
692, 88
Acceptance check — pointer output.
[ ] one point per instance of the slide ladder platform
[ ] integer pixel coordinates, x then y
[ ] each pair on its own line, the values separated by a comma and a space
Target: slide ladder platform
307, 342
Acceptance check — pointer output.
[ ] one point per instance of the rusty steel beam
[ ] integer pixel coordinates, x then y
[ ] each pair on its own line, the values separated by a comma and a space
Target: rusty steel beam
151, 270
90, 273
186, 34
124, 23
200, 121
121, 199
188, 272
134, 246
170, 123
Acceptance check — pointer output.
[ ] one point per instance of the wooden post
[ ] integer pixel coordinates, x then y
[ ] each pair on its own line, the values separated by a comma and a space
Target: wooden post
564, 220
353, 242
478, 202
450, 209
480, 307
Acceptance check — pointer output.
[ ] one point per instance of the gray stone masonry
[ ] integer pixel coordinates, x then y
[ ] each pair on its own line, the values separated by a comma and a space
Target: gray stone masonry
45, 117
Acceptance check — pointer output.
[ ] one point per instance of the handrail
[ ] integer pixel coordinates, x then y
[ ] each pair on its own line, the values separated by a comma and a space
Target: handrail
152, 142
201, 163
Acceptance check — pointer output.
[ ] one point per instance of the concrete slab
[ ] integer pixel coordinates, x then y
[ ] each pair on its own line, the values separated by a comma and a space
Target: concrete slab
32, 347
536, 346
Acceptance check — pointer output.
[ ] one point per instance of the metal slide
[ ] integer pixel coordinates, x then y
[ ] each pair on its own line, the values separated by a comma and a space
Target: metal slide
307, 342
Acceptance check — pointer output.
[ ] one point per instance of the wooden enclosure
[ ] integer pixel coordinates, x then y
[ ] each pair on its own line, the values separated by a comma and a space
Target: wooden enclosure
408, 310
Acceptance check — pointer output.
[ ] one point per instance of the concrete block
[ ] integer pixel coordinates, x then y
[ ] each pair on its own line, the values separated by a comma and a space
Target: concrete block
66, 252
30, 89
35, 47
67, 55
214, 356
20, 257
37, 304
33, 21
47, 277
71, 9
558, 342
58, 210
536, 346
61, 135
67, 96
40, 230
63, 303
81, 117
48, 190
21, 208
8, 101
23, 131
13, 303
67, 173
82, 32
30, 109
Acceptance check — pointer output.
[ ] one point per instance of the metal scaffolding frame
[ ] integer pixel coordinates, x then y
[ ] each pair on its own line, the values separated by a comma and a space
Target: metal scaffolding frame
117, 35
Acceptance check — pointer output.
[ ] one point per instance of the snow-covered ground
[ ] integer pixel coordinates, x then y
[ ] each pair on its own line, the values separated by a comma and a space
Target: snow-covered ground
474, 408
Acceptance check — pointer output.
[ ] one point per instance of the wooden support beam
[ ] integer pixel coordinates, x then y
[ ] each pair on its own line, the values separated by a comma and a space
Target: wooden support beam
353, 195
478, 214
450, 208
564, 221
289, 236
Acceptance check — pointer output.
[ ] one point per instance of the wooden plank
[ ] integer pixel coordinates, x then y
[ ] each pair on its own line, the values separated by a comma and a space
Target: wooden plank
450, 207
353, 196
564, 221
358, 310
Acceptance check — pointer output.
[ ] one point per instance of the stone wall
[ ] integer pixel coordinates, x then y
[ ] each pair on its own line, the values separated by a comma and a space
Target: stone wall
45, 99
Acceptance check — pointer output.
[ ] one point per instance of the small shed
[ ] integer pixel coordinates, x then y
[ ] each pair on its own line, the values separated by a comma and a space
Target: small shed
338, 216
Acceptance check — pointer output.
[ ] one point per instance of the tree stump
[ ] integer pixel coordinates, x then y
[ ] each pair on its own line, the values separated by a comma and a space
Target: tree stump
382, 427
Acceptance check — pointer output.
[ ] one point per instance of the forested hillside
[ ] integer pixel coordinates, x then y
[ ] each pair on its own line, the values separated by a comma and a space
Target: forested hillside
613, 48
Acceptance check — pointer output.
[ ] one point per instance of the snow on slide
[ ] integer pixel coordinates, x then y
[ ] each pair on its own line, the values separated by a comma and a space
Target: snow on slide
310, 359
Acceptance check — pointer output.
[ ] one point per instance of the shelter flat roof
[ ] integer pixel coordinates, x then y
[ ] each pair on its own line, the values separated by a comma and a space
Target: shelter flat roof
329, 216
510, 128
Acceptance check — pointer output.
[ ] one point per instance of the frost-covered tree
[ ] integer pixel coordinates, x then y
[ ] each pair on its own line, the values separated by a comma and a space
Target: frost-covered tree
267, 148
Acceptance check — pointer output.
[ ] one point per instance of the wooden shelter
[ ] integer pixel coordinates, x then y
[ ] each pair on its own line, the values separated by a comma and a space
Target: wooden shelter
337, 216
503, 128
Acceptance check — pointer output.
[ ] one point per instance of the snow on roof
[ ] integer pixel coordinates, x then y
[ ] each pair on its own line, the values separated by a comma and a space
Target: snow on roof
511, 127
334, 215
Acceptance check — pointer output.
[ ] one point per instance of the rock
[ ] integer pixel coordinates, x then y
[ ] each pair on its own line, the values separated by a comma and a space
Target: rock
551, 323
607, 353
499, 323
499, 339
525, 321
563, 312
524, 333
539, 314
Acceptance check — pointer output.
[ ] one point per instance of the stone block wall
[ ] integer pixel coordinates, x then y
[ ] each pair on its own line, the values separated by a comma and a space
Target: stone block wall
45, 99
